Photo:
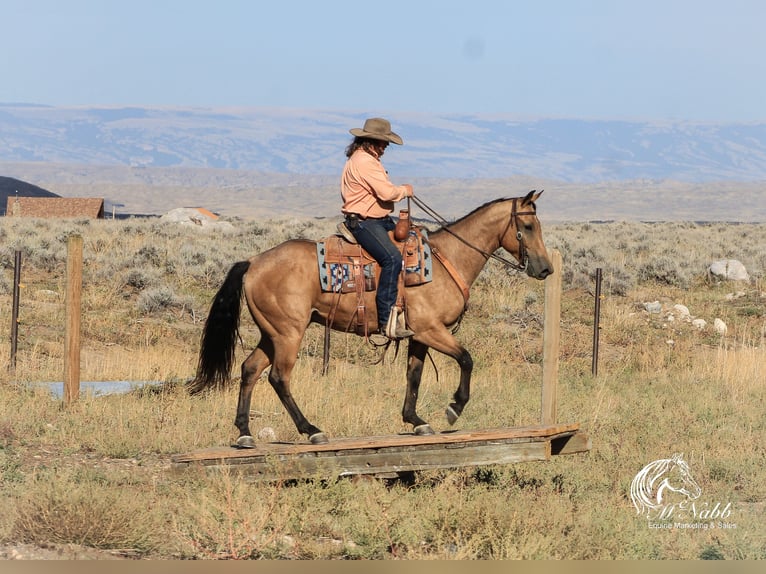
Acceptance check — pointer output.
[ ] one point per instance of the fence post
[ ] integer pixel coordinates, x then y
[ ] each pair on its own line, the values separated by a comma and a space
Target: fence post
551, 336
596, 323
72, 329
15, 310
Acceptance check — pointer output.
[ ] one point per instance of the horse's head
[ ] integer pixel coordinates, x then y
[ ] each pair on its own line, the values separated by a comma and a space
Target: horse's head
523, 238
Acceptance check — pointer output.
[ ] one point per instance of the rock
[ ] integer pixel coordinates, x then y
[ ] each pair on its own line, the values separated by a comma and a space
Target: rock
682, 310
699, 324
196, 217
653, 307
267, 434
728, 269
720, 327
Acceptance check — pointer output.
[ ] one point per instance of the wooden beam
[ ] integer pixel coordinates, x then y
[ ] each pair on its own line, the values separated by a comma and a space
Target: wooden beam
389, 454
72, 328
551, 336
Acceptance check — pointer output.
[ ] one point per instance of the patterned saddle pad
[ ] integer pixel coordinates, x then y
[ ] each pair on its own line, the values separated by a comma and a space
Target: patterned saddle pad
341, 262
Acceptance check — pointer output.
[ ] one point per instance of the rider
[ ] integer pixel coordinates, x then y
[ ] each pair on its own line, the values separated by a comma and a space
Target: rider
368, 199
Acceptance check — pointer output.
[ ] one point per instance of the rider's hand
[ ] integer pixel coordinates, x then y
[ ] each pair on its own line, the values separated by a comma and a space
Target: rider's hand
409, 192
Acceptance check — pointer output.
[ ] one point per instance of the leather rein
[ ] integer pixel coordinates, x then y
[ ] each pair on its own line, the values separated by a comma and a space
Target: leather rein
512, 220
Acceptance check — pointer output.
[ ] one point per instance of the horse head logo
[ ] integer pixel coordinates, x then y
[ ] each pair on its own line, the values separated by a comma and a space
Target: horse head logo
652, 487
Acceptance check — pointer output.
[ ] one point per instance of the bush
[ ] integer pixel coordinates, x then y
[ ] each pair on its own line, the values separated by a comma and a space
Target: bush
157, 299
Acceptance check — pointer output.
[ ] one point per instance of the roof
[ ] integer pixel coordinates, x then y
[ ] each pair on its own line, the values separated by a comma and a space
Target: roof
55, 207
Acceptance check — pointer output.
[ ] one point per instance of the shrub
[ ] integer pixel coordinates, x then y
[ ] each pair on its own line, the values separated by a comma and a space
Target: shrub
156, 299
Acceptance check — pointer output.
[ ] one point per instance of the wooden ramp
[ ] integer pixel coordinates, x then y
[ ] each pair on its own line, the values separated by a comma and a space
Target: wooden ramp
391, 454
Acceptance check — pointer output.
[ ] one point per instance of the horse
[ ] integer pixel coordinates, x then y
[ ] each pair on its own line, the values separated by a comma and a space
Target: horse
658, 479
282, 289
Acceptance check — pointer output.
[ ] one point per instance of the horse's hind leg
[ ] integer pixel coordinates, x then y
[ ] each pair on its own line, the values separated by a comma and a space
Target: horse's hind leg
252, 368
279, 378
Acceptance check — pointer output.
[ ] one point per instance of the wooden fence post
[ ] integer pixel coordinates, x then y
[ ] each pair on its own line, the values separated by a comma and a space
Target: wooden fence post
551, 334
72, 328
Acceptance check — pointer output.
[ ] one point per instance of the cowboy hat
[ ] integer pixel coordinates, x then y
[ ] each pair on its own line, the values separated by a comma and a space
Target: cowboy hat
377, 129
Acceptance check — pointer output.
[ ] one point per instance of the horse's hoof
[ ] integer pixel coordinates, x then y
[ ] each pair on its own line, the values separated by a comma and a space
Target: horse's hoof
318, 438
424, 430
245, 441
452, 416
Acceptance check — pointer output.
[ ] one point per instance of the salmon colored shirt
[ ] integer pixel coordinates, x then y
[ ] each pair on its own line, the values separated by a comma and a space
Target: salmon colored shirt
365, 187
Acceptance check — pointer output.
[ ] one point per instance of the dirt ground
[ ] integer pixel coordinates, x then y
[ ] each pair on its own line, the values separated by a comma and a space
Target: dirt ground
59, 552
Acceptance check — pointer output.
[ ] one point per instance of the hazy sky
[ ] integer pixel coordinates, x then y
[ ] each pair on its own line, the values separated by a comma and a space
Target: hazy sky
631, 59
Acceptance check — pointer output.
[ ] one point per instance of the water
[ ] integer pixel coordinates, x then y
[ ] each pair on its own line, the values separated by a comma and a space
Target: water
97, 388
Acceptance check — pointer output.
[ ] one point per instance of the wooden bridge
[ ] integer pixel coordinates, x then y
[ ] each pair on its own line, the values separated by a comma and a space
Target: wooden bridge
392, 455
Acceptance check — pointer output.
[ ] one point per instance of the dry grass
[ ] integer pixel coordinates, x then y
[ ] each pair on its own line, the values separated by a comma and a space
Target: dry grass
95, 473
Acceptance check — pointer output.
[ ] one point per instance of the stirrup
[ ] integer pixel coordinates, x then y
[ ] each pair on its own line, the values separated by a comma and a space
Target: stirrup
396, 327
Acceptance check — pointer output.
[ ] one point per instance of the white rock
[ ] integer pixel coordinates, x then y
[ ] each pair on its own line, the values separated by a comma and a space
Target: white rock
720, 326
699, 324
730, 269
653, 307
682, 310
266, 434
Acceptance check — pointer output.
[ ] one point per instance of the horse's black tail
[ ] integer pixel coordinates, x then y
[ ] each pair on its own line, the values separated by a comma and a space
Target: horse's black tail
220, 333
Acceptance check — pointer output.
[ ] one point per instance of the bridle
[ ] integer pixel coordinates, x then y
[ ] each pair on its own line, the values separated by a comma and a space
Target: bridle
513, 220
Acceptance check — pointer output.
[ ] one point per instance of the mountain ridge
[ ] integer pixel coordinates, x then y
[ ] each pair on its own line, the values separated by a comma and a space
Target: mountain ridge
305, 142
252, 162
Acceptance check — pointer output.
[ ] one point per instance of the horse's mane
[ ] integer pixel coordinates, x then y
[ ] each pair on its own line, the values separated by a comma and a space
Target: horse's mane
480, 208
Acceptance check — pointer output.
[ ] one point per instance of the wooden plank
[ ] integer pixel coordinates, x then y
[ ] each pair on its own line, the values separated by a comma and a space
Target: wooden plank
309, 466
390, 455
578, 442
551, 338
328, 464
380, 442
73, 311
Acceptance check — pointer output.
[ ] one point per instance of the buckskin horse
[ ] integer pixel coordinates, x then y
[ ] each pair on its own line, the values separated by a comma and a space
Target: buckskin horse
283, 294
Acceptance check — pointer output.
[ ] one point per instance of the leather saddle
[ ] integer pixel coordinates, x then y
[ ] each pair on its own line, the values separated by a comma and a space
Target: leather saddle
345, 267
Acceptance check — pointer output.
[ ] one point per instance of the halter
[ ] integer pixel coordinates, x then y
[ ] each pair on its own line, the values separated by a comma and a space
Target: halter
512, 220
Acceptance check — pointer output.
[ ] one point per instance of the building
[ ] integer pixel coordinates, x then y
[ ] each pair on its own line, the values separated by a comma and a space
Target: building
58, 207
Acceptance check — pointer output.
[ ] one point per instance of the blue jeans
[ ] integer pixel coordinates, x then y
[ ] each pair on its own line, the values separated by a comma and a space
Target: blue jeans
372, 234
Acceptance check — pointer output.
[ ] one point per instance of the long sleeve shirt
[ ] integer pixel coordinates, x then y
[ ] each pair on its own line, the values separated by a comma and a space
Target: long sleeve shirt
365, 187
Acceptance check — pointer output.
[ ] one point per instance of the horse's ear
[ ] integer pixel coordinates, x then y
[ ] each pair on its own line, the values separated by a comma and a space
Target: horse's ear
531, 197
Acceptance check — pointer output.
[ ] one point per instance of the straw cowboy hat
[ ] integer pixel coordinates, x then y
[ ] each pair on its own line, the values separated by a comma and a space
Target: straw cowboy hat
377, 129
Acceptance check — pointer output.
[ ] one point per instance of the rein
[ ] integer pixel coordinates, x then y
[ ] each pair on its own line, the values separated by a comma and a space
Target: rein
513, 220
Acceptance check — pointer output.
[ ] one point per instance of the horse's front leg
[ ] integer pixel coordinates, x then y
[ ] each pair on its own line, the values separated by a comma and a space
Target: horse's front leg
416, 354
463, 392
443, 341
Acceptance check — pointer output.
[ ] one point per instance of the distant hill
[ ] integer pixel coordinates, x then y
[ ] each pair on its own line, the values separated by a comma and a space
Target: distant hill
9, 186
311, 142
254, 162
